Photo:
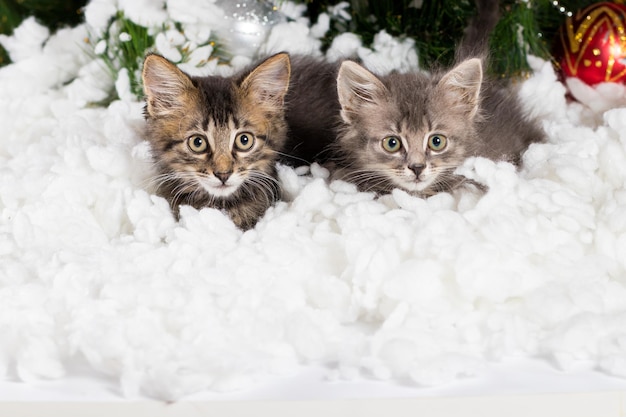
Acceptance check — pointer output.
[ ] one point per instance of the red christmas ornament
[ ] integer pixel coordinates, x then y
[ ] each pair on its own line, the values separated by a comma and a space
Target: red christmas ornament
592, 44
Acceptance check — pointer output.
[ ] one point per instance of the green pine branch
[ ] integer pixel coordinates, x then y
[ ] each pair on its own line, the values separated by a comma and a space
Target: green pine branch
10, 18
526, 26
52, 13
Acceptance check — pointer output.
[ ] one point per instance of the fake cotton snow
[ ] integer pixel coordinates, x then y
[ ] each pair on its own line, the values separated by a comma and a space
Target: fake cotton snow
95, 270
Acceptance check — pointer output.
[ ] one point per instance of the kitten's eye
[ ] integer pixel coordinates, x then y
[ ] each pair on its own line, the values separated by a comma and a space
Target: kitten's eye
197, 144
244, 141
437, 142
392, 144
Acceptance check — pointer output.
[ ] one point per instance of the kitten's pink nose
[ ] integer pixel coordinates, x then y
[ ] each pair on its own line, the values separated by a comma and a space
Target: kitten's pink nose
417, 169
223, 176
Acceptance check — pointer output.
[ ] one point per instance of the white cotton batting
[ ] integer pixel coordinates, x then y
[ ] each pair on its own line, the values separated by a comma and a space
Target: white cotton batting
97, 274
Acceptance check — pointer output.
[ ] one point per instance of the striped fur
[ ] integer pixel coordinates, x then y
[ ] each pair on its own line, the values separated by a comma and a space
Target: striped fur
196, 125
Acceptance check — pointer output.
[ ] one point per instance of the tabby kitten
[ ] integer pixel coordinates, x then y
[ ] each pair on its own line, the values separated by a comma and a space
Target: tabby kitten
215, 140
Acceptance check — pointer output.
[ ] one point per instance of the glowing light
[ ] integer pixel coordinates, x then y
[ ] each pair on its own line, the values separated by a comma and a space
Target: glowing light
616, 50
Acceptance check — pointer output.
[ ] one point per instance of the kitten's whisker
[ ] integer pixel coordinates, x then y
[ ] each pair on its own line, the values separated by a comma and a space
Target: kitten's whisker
286, 155
376, 186
265, 183
180, 194
376, 180
157, 180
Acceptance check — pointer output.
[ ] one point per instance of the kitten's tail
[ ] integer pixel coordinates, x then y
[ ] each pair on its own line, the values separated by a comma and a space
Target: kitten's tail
475, 41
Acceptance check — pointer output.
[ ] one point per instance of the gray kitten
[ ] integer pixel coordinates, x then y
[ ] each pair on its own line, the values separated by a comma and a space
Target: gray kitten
412, 131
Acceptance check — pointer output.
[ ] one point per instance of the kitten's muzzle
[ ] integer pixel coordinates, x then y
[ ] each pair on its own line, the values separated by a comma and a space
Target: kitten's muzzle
417, 169
223, 176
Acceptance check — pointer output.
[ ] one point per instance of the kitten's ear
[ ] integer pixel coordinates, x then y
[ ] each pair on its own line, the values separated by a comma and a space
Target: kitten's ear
167, 89
267, 84
460, 88
357, 87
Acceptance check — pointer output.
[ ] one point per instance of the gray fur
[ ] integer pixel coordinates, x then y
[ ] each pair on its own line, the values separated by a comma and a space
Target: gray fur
476, 115
477, 119
311, 110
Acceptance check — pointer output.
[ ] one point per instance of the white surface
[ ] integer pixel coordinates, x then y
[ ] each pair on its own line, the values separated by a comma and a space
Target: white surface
513, 377
515, 388
609, 404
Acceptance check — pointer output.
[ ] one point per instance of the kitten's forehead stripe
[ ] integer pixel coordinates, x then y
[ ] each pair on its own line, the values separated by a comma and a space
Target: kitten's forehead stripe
218, 98
205, 123
409, 93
